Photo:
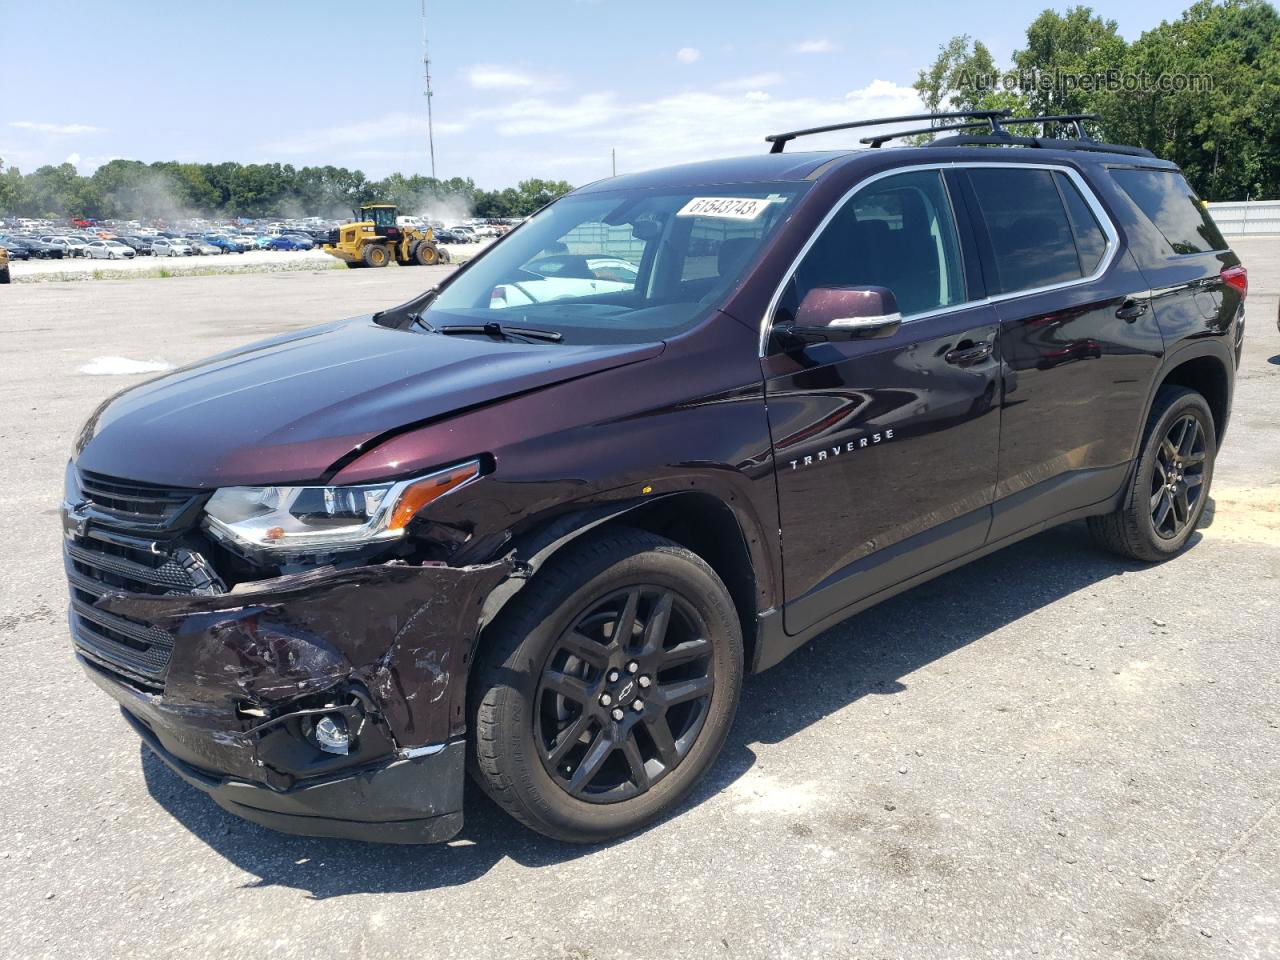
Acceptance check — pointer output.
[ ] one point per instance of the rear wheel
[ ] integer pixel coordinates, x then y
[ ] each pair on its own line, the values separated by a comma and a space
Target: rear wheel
353, 263
375, 255
607, 687
4, 275
1170, 485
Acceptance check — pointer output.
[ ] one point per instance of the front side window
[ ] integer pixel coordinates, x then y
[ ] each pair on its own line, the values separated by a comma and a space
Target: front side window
619, 266
1030, 236
898, 233
1167, 200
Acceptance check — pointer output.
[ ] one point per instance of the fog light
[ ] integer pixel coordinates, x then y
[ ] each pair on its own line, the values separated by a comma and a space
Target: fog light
331, 735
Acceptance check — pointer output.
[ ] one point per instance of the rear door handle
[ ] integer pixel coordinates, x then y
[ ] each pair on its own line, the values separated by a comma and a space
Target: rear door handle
1131, 309
967, 352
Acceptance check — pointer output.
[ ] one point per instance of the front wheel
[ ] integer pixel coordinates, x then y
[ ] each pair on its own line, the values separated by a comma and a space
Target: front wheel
1170, 484
605, 690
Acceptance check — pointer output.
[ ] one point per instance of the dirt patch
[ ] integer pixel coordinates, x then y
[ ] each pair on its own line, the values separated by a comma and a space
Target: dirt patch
1245, 515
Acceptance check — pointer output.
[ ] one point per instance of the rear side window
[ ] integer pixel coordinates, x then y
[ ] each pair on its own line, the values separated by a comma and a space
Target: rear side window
1091, 242
1168, 201
897, 233
1031, 238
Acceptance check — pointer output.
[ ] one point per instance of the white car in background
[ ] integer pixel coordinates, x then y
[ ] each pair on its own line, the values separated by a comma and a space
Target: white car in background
172, 247
110, 250
70, 246
563, 276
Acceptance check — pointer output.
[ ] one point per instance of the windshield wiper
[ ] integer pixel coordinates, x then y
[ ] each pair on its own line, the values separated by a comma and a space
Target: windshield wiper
498, 330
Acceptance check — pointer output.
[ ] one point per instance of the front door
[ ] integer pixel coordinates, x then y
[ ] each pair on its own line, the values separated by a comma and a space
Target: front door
885, 449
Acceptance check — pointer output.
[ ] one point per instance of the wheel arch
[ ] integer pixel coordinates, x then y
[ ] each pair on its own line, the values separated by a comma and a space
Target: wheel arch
1203, 369
701, 522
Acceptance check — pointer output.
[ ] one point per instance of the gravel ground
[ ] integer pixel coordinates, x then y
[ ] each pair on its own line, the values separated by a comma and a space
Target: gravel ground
1050, 752
252, 261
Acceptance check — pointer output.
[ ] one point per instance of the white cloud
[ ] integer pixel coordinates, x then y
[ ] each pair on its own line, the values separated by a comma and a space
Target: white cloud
73, 159
691, 125
62, 129
392, 126
753, 82
488, 76
688, 54
818, 45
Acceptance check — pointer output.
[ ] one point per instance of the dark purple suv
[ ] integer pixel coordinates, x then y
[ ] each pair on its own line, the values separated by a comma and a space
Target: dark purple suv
540, 521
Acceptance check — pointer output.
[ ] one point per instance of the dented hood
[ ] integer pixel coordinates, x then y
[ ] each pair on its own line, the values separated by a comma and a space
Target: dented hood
285, 410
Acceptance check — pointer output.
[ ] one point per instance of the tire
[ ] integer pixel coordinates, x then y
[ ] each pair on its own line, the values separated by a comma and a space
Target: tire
375, 255
525, 728
426, 254
1170, 485
4, 275
353, 263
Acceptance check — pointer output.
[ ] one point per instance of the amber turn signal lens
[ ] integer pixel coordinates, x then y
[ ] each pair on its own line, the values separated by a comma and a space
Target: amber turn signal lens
416, 497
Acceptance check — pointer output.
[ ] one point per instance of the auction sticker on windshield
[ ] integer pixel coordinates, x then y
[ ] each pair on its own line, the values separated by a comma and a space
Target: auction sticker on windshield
725, 208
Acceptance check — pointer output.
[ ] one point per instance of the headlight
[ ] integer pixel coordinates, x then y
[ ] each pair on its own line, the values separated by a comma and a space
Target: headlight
310, 519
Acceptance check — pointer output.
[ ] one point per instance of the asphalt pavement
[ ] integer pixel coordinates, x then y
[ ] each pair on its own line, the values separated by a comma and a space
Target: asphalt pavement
1049, 753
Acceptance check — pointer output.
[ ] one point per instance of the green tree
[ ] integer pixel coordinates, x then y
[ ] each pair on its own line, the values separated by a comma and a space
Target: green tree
1061, 50
964, 76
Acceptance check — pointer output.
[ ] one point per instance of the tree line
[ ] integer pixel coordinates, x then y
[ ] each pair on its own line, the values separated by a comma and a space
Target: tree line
169, 190
1216, 113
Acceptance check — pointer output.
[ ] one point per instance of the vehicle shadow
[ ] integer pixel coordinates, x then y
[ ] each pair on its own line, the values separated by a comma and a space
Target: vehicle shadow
872, 654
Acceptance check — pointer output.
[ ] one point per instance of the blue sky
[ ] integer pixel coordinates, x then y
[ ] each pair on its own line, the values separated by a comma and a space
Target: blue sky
522, 89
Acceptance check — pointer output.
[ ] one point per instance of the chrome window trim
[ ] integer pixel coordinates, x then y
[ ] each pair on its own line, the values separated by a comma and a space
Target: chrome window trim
1086, 192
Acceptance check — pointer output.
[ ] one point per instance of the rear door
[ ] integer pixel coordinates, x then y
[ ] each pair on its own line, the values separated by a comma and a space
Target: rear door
1078, 340
1181, 253
885, 449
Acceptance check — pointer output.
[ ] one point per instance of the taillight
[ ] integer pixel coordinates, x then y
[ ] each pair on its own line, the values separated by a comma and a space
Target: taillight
1237, 277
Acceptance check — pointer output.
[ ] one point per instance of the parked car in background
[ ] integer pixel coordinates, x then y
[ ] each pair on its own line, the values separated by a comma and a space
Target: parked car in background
141, 245
203, 248
305, 241
285, 242
109, 250
70, 246
172, 247
224, 243
38, 248
445, 235
17, 251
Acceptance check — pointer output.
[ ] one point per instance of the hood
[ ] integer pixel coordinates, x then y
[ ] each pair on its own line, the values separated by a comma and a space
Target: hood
286, 410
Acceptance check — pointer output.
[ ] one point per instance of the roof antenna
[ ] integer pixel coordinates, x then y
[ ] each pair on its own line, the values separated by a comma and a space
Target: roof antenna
426, 76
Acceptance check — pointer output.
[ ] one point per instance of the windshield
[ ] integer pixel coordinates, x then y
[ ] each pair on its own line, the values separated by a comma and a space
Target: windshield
622, 266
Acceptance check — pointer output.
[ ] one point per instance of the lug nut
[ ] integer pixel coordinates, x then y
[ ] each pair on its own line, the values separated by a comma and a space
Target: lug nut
632, 667
605, 699
644, 683
617, 713
637, 705
613, 676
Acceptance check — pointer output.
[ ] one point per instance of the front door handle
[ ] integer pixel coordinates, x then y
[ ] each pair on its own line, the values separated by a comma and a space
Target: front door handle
967, 352
1131, 309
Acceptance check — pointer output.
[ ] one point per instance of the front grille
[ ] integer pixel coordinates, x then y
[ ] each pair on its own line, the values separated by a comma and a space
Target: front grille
127, 503
118, 553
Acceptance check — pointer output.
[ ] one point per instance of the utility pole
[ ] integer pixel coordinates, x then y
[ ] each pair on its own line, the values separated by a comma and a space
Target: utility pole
426, 76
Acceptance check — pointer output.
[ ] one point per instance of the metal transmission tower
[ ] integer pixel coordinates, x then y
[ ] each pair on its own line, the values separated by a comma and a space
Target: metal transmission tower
426, 76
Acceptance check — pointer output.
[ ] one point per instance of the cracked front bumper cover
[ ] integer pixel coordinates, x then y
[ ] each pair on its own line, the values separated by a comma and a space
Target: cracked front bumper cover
394, 640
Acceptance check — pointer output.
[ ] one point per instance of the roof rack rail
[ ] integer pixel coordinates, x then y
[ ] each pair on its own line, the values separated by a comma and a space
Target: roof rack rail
998, 125
1046, 143
990, 118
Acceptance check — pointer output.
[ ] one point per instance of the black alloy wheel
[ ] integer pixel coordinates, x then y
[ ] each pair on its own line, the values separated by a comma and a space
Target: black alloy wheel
606, 687
623, 695
1168, 489
1177, 482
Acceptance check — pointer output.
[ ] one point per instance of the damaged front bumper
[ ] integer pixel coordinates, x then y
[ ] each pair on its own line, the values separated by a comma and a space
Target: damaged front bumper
383, 649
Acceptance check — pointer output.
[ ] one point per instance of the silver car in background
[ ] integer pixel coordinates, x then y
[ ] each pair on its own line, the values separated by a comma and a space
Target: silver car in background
110, 250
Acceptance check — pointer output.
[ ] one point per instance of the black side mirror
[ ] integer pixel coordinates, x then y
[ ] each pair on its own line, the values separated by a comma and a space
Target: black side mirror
844, 313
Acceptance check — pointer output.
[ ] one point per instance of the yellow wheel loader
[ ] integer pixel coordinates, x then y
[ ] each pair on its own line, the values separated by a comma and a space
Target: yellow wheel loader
374, 240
